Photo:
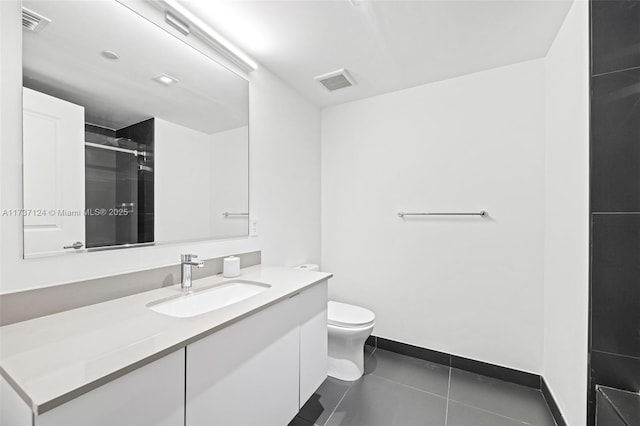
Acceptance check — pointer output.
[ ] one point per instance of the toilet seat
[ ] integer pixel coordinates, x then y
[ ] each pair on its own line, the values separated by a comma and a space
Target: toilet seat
349, 316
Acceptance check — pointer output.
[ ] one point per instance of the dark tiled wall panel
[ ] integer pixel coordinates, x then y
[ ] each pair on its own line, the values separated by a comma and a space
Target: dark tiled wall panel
615, 37
615, 141
617, 371
143, 133
615, 294
615, 189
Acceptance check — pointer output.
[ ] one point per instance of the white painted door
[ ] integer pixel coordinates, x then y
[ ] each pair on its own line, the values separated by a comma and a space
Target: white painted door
53, 173
152, 395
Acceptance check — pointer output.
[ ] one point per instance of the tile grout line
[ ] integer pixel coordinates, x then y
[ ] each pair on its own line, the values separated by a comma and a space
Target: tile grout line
407, 386
446, 412
413, 387
449, 399
503, 372
615, 354
616, 213
615, 408
348, 389
492, 412
615, 71
337, 405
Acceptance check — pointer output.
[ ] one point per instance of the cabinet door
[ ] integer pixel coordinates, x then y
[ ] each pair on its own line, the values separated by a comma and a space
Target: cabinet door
313, 341
53, 172
152, 395
13, 410
247, 373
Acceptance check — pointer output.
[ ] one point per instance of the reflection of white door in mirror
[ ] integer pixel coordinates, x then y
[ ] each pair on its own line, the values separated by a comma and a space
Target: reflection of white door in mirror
53, 161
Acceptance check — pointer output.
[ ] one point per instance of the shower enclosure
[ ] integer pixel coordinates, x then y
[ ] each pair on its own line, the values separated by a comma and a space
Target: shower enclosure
119, 185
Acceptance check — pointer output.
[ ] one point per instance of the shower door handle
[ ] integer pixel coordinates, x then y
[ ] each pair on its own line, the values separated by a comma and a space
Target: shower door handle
77, 245
129, 207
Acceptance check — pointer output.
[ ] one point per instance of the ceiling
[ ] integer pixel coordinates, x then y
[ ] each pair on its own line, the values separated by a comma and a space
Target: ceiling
64, 60
386, 45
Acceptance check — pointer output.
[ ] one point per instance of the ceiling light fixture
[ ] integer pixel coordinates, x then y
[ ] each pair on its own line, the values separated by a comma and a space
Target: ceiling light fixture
196, 26
176, 23
165, 79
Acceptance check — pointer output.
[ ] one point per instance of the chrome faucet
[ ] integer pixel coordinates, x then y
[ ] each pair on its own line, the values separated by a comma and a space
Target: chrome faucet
187, 261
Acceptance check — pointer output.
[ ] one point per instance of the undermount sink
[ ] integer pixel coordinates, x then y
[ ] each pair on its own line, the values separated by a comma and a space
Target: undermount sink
207, 299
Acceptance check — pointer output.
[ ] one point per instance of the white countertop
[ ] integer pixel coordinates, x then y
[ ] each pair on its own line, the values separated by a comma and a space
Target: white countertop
53, 359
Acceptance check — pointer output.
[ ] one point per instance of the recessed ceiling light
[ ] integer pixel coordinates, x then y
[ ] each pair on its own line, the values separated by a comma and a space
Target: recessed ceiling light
165, 79
110, 54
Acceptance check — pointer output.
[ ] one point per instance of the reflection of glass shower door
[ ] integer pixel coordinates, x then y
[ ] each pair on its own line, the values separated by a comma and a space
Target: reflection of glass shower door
100, 189
111, 197
119, 185
125, 209
113, 182
112, 193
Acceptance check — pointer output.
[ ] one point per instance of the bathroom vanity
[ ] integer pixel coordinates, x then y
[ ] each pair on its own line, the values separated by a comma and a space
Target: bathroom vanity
253, 362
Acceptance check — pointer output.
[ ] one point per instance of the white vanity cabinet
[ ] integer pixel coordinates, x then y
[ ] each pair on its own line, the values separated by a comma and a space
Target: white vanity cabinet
313, 350
152, 395
260, 370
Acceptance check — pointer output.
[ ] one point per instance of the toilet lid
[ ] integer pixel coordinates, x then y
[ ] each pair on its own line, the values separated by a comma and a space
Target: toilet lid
345, 315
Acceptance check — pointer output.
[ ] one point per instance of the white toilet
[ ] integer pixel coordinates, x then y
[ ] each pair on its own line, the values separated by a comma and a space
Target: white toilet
349, 326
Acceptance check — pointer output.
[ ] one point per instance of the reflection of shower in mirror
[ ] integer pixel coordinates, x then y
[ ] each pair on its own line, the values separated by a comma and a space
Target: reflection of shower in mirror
116, 183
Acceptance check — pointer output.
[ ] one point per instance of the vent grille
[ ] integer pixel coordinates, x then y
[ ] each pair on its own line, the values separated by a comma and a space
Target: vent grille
336, 80
32, 21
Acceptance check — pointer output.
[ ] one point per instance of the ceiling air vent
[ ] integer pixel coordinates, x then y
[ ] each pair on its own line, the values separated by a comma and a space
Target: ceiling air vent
33, 21
336, 80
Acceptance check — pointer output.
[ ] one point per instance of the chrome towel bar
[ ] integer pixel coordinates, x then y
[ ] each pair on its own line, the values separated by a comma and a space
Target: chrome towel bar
481, 213
227, 214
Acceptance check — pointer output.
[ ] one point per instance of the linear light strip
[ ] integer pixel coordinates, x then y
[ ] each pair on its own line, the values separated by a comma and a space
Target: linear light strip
211, 37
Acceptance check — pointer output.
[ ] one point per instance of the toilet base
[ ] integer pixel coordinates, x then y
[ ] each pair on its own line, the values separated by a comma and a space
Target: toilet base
344, 369
346, 351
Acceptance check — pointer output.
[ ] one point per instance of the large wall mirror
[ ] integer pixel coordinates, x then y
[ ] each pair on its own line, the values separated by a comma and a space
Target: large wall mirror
130, 136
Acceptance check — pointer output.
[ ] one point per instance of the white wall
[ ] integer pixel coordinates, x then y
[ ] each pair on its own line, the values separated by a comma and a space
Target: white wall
182, 180
216, 180
284, 184
4, 47
467, 286
229, 182
566, 249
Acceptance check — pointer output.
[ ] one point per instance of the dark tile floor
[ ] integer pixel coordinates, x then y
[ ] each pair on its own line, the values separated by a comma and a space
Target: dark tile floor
616, 407
398, 390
